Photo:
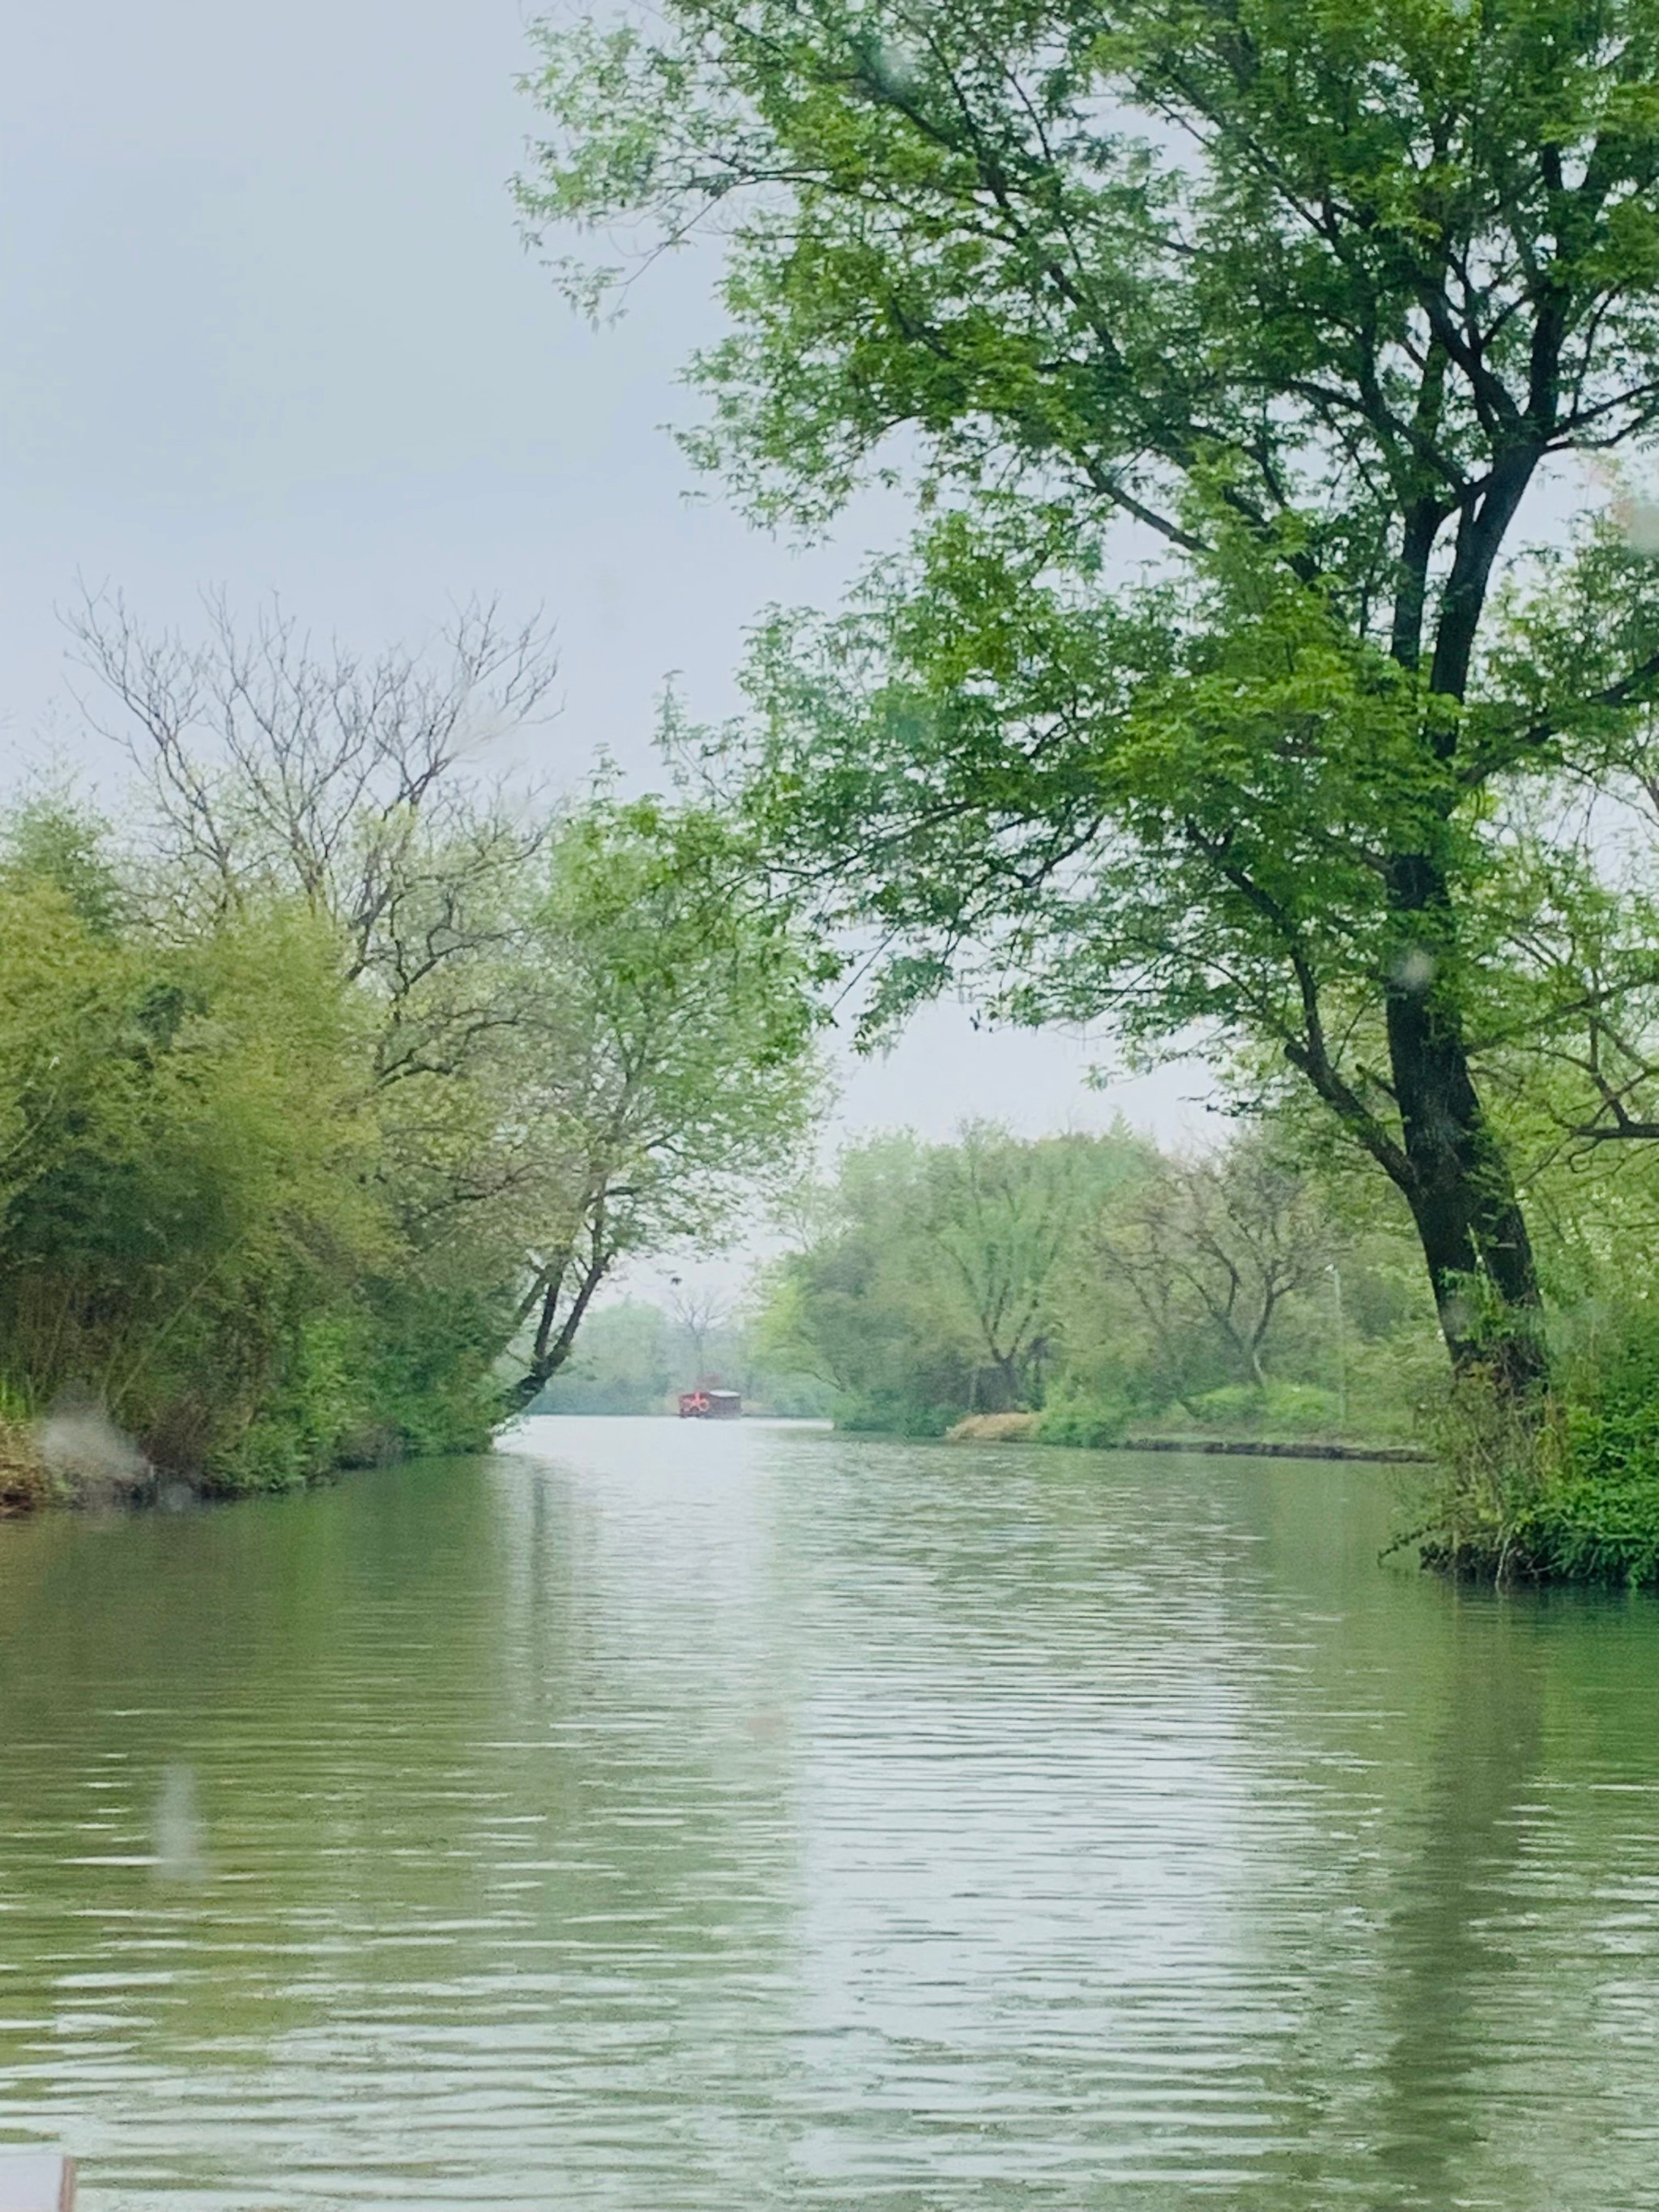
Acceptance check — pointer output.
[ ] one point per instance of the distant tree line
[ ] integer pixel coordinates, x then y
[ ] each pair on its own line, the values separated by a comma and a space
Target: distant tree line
1103, 1283
636, 1357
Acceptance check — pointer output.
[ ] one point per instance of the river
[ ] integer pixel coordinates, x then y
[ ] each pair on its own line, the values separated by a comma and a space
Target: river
662, 1817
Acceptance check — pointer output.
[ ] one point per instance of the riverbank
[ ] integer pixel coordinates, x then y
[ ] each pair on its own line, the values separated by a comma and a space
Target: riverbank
1027, 1428
73, 1462
78, 1462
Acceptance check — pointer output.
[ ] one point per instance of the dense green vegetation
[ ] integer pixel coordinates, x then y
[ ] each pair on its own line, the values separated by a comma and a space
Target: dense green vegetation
331, 1092
1228, 354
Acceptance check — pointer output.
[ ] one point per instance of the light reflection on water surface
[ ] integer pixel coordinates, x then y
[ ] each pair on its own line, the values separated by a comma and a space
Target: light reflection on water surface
662, 1817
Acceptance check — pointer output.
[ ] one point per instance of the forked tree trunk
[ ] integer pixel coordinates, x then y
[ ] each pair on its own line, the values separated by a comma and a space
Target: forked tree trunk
553, 1347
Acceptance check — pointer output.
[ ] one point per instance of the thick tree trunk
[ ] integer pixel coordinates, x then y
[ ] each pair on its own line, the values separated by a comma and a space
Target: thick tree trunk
1459, 1188
1458, 1184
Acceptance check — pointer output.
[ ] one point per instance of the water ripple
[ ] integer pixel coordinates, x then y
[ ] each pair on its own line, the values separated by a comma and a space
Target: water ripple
709, 1821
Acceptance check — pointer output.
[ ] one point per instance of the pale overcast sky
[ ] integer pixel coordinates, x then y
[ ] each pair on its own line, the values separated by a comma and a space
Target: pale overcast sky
267, 323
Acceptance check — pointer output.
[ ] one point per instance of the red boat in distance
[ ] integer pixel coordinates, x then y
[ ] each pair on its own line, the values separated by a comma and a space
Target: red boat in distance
702, 1405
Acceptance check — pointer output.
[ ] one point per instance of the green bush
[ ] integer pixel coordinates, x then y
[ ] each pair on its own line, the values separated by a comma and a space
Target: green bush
1599, 1521
1595, 1513
890, 1414
430, 1384
1093, 1420
1287, 1409
1566, 1491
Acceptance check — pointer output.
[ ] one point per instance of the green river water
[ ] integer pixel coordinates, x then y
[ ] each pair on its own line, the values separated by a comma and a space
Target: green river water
659, 1817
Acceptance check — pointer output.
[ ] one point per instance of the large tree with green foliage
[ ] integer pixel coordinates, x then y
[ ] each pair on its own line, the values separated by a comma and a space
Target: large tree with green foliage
1302, 302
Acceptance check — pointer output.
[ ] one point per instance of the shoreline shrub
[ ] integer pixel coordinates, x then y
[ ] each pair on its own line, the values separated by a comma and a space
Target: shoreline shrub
1565, 1489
